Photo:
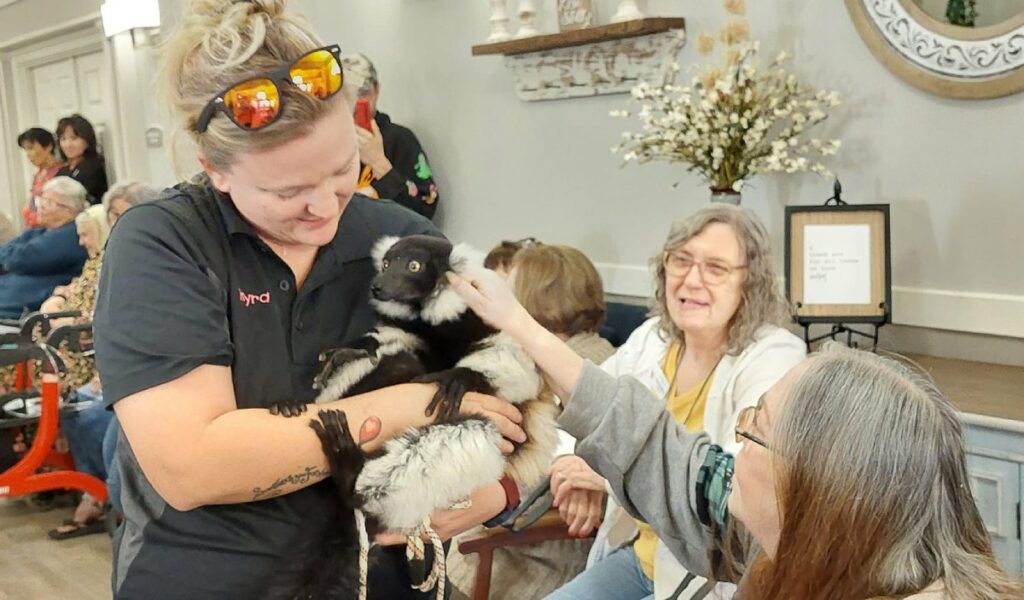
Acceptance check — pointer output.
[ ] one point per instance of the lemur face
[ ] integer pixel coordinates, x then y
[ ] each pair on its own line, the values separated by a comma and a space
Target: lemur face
412, 269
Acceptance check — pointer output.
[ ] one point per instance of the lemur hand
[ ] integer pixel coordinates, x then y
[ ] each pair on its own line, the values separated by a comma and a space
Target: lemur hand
490, 297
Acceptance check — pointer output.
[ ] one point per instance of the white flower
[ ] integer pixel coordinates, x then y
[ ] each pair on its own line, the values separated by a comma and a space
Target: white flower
737, 186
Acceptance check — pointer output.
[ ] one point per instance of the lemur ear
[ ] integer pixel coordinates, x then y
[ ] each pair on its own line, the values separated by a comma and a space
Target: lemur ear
464, 255
380, 248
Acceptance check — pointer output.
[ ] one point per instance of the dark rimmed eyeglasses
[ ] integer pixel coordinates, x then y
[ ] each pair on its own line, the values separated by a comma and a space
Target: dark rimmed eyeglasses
254, 103
745, 422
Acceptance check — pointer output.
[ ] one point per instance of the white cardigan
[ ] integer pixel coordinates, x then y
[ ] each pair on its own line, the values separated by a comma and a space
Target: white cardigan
739, 382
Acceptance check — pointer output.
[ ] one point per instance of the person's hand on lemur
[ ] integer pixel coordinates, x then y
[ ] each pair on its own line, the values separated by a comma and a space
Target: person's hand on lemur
490, 297
371, 150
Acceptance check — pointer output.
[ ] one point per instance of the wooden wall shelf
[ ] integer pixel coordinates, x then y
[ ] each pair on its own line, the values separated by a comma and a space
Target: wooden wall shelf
579, 37
607, 59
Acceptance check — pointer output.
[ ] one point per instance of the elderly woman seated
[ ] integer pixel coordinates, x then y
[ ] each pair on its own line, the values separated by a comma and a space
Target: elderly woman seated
91, 431
562, 290
43, 257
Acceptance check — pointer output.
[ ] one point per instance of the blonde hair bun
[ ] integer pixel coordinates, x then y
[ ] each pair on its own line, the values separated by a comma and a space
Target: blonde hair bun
221, 42
217, 9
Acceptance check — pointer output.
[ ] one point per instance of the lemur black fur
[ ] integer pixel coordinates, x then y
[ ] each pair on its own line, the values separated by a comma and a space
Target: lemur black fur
426, 333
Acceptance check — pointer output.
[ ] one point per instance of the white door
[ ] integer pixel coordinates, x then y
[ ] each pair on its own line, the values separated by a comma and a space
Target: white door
75, 85
56, 92
93, 75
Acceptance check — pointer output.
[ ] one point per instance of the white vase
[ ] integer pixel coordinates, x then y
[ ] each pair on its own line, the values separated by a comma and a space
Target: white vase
499, 22
726, 196
627, 11
527, 13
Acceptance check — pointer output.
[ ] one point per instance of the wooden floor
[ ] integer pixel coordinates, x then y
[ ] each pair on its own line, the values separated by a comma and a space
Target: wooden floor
34, 567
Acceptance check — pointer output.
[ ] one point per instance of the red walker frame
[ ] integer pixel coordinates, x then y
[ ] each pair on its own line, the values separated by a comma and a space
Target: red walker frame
22, 478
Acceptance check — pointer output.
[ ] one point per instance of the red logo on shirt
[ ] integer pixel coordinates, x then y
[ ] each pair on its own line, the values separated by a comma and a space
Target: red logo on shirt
250, 299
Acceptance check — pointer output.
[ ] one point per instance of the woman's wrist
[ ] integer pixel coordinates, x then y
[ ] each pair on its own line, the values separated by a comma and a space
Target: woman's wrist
508, 492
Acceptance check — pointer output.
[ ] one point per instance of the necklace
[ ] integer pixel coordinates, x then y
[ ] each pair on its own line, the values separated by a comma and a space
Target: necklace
700, 392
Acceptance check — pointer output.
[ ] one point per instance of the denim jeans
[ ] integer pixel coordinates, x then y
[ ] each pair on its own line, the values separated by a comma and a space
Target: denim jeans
85, 430
618, 577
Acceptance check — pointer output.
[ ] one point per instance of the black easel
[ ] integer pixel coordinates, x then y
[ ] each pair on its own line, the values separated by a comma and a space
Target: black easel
842, 327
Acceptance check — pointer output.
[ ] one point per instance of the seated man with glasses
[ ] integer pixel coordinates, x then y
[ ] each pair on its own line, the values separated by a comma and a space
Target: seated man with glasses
712, 348
43, 257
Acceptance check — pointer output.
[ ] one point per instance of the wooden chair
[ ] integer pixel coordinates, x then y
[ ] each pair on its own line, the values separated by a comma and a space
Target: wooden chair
549, 527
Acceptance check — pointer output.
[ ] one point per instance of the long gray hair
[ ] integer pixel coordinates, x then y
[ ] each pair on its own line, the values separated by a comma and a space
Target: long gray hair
873, 489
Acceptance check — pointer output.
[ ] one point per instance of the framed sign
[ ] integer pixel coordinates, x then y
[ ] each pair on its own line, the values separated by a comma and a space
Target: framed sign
574, 14
838, 267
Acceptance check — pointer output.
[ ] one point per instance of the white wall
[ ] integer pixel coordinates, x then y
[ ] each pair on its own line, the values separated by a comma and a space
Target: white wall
508, 168
31, 23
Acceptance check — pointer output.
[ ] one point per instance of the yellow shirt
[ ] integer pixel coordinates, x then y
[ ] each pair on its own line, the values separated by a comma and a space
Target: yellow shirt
688, 409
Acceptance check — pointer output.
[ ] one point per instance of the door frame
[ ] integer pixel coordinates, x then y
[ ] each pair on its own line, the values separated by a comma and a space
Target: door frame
18, 57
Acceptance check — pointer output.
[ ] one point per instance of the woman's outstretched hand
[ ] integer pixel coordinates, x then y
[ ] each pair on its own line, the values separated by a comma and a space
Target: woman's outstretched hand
491, 298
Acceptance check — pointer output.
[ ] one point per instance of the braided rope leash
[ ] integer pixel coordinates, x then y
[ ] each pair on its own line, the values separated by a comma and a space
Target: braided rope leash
416, 550
364, 552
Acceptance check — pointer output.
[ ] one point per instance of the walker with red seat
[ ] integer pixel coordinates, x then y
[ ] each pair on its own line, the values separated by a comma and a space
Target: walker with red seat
41, 408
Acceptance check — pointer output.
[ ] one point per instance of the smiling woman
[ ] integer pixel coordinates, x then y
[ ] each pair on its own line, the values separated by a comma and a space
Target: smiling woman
864, 465
712, 348
215, 301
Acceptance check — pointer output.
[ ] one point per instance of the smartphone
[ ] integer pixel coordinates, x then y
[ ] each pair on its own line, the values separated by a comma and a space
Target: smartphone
363, 118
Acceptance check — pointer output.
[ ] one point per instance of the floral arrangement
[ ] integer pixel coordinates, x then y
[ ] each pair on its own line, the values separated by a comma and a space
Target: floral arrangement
736, 119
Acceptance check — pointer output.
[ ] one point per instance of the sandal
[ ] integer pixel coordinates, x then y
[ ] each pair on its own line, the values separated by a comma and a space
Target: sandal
78, 529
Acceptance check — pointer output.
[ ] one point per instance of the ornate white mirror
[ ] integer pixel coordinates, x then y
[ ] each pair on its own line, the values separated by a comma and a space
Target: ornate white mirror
981, 56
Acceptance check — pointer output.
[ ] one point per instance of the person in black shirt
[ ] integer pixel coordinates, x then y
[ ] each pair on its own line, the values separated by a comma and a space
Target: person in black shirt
394, 165
214, 303
83, 163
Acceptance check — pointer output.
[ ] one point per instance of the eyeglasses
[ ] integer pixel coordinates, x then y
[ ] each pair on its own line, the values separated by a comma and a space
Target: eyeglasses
744, 422
44, 202
678, 264
255, 103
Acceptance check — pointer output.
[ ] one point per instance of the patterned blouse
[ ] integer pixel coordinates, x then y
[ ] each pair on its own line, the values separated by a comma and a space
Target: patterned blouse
81, 296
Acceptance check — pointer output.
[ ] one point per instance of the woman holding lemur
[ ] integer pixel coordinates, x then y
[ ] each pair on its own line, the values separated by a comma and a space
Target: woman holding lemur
851, 457
215, 301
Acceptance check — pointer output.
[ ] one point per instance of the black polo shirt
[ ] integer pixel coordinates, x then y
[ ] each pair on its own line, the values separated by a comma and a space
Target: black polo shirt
178, 292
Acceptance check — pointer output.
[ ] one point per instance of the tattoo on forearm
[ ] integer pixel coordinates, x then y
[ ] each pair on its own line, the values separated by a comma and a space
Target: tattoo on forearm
369, 431
277, 488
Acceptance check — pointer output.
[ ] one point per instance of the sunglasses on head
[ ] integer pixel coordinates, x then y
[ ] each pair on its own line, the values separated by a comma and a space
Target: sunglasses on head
256, 102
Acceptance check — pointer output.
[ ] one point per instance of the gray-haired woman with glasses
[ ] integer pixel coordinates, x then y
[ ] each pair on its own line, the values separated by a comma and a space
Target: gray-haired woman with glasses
711, 349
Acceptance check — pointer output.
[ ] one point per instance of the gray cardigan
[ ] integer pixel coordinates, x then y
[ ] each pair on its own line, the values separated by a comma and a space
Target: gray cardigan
651, 463
650, 460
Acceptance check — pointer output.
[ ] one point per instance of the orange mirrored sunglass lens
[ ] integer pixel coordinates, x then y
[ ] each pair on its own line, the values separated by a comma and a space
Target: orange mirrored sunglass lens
253, 103
317, 73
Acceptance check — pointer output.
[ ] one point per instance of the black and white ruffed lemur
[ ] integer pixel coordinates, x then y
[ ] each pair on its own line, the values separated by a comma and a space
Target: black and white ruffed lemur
426, 333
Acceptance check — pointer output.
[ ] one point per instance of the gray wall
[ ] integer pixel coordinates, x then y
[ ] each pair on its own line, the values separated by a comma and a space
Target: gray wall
509, 169
27, 16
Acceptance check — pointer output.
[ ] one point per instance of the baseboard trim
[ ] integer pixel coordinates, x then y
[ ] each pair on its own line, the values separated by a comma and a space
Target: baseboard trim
974, 312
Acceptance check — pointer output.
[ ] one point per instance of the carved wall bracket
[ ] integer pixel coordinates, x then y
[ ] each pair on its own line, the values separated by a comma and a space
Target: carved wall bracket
608, 59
